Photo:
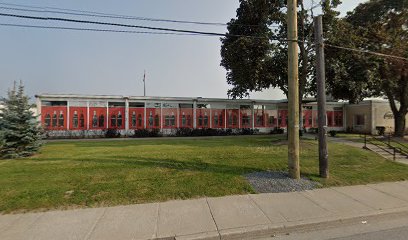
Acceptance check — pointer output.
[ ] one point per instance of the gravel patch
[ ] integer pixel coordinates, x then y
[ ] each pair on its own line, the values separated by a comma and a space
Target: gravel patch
274, 182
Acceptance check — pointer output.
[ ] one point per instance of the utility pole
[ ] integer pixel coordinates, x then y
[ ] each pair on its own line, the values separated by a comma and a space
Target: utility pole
321, 98
144, 83
293, 84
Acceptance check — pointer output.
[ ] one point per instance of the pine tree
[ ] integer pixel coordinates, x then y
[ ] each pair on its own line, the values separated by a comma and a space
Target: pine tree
20, 133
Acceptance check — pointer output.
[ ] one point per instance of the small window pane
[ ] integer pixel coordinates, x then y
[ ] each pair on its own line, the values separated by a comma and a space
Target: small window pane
82, 121
101, 121
75, 120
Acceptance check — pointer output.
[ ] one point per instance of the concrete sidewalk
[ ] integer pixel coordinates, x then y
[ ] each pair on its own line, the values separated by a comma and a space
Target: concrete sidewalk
239, 217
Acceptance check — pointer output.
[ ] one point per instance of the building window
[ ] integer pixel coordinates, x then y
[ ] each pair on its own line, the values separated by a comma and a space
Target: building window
167, 120
157, 120
279, 120
205, 120
330, 119
200, 120
216, 119
172, 120
140, 119
188, 120
119, 119
221, 120
61, 120
271, 120
359, 120
338, 119
133, 119
54, 119
75, 120
82, 121
183, 120
245, 120
310, 120
113, 120
101, 121
259, 120
47, 120
94, 120
151, 119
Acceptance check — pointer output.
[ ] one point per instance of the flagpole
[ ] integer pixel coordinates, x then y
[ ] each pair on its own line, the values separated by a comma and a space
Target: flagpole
144, 83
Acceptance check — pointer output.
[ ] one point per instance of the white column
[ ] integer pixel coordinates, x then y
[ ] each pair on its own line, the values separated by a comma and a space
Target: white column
107, 114
144, 118
210, 117
68, 115
178, 116
161, 115
127, 114
195, 114
87, 115
253, 115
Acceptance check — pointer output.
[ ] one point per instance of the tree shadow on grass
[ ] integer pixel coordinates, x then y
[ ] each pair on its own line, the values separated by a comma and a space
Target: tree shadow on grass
175, 164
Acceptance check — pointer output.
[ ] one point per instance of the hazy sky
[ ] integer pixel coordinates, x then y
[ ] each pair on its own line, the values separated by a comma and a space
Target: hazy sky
61, 61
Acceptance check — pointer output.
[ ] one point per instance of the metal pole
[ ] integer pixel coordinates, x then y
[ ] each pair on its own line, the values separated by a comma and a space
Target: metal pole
293, 93
365, 140
321, 98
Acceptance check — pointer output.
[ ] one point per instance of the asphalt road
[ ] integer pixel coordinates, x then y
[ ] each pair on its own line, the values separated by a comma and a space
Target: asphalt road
386, 227
400, 233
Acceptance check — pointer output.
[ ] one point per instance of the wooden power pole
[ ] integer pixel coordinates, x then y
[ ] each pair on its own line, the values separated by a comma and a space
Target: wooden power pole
321, 98
293, 91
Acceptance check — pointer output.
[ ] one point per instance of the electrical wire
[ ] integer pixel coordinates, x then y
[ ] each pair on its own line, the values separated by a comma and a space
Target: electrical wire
133, 26
367, 52
96, 29
75, 12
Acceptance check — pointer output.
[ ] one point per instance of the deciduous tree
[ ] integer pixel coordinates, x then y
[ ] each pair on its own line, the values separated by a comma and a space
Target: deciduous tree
378, 26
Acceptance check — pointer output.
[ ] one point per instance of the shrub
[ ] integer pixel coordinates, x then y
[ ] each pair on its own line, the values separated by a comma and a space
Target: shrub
333, 133
184, 132
380, 130
112, 133
278, 130
143, 133
314, 130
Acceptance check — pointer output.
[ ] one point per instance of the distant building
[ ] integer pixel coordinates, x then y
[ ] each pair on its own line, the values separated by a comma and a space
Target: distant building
70, 113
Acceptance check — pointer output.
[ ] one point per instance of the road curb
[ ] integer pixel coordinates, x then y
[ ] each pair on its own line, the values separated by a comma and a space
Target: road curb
259, 231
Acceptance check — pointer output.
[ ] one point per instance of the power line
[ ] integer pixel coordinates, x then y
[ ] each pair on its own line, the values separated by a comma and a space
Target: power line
367, 52
97, 30
76, 12
132, 26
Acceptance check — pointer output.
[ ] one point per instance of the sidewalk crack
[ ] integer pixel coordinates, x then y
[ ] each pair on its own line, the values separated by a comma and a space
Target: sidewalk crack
216, 226
354, 199
259, 207
156, 229
94, 225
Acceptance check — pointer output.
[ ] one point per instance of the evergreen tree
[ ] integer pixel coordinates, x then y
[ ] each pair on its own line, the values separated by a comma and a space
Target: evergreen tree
20, 132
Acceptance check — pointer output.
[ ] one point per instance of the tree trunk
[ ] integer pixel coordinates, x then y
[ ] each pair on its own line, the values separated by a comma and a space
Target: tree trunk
399, 124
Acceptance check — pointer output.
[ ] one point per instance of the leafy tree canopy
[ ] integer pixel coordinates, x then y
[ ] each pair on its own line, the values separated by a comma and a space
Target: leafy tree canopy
254, 52
379, 26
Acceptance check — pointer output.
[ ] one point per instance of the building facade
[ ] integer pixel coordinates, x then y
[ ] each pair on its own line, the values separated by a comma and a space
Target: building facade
69, 113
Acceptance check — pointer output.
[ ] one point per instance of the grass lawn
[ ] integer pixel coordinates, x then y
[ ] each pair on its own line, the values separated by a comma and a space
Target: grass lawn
351, 136
105, 173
